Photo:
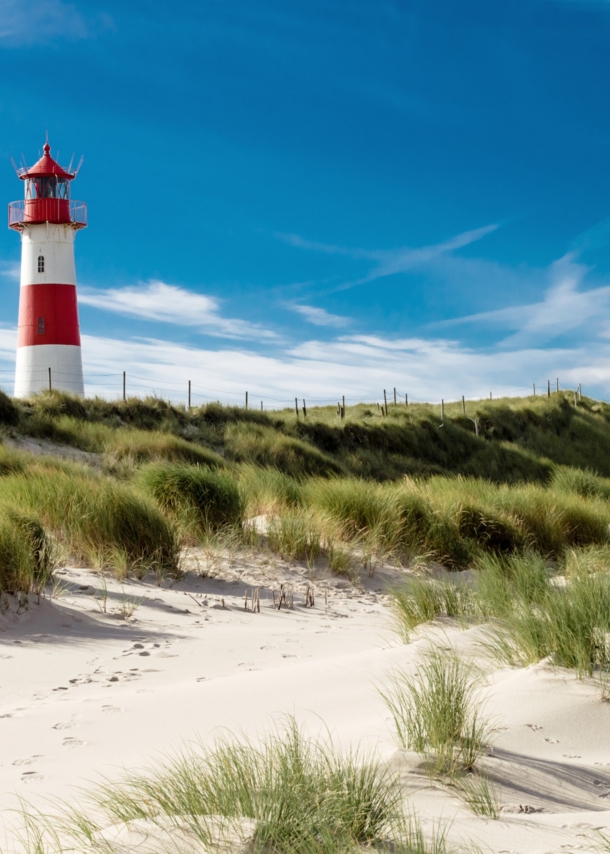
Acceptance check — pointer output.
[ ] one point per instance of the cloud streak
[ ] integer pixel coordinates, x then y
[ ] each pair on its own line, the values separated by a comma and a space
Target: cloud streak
27, 22
389, 262
158, 301
319, 316
563, 309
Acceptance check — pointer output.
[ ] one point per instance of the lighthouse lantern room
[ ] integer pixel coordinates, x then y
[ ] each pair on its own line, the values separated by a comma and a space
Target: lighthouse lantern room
48, 338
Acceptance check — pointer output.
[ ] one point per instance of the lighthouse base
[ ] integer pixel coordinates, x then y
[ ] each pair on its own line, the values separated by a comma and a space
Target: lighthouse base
32, 369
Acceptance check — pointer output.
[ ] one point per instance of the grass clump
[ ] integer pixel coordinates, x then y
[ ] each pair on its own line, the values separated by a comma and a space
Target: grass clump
423, 600
436, 712
299, 796
142, 446
479, 793
198, 497
295, 534
264, 446
27, 556
99, 521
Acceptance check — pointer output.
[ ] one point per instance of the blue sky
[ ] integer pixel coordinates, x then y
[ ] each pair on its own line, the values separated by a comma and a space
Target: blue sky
322, 198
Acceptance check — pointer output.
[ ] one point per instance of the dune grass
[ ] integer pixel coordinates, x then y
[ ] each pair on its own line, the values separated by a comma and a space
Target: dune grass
27, 555
437, 712
99, 521
199, 498
299, 795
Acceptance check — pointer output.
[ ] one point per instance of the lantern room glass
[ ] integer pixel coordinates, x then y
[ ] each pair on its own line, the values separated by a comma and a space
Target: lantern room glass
47, 187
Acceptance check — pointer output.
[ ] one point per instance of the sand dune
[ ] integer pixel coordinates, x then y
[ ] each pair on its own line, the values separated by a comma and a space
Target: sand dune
85, 693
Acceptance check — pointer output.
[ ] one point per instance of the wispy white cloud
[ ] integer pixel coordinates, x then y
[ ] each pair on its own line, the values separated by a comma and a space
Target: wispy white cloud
564, 308
388, 262
10, 270
28, 22
359, 367
165, 303
319, 316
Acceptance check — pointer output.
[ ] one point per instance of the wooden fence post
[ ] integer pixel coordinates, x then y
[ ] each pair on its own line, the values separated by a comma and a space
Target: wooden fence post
463, 406
304, 409
557, 385
296, 407
246, 400
50, 382
579, 392
395, 397
548, 388
534, 389
385, 402
406, 399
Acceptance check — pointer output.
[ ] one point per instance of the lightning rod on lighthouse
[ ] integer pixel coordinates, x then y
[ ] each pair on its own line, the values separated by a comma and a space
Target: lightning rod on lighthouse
48, 338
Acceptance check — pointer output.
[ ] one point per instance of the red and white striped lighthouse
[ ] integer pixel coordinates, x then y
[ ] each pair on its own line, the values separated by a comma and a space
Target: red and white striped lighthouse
48, 341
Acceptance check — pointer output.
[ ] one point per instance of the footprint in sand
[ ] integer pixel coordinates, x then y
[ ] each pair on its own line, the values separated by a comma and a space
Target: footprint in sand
552, 740
534, 727
73, 742
29, 761
112, 710
65, 725
31, 777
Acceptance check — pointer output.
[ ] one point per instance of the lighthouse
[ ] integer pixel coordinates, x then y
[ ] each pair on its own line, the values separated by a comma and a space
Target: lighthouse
48, 338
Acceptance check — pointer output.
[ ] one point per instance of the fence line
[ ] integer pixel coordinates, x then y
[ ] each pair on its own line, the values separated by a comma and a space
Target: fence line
188, 391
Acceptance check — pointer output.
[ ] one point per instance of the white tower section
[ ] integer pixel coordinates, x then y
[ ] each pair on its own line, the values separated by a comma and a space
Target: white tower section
48, 341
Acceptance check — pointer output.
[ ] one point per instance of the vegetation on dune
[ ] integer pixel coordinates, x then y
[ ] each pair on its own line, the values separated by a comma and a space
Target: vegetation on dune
199, 498
297, 795
98, 521
437, 713
369, 487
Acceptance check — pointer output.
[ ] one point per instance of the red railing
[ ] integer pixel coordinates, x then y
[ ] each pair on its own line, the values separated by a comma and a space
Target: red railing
26, 211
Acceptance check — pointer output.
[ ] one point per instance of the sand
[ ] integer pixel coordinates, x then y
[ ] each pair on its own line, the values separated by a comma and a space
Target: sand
86, 693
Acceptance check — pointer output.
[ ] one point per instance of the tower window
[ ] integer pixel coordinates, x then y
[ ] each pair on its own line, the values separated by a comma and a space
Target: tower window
41, 325
41, 263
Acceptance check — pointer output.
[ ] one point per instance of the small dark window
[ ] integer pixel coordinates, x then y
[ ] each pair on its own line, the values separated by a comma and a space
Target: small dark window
41, 263
41, 325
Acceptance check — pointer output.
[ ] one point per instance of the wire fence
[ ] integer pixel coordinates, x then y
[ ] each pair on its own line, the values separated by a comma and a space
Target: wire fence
117, 386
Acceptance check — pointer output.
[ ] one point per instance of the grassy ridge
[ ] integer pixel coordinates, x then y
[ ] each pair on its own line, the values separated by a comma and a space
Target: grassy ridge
366, 488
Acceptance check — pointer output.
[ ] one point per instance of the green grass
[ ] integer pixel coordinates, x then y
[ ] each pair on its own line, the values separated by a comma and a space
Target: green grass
479, 794
27, 556
99, 521
199, 498
301, 795
437, 712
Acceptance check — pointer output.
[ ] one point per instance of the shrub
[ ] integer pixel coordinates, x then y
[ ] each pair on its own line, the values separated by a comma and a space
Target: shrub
208, 498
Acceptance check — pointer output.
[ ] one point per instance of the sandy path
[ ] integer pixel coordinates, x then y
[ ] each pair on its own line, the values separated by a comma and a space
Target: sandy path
85, 693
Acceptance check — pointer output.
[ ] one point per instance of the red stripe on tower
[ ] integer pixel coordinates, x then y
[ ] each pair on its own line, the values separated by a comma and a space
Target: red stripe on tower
48, 341
48, 314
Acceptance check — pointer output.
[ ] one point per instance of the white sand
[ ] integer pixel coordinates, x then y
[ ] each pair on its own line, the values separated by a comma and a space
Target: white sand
85, 694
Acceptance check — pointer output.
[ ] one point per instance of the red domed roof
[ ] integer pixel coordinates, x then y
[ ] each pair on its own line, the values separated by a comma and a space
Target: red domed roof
46, 166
